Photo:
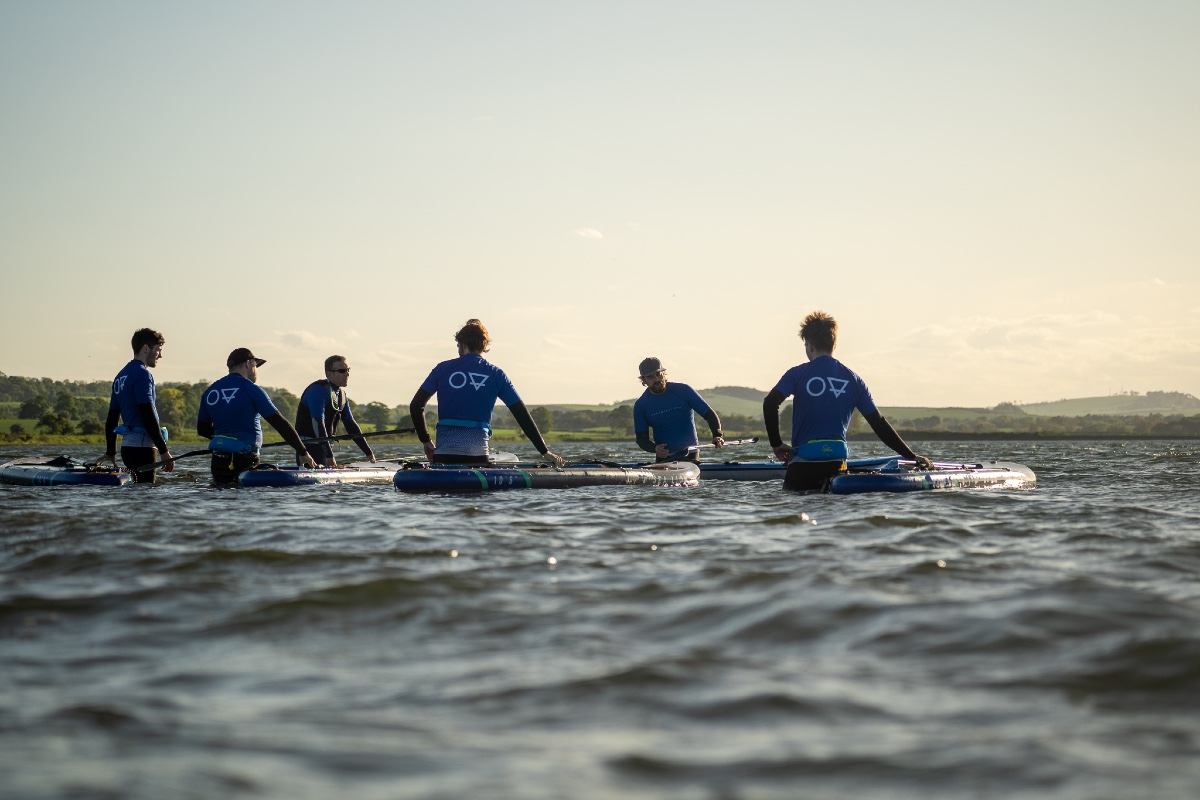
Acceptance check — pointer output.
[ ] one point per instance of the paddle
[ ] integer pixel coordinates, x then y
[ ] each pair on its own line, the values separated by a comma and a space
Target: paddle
728, 443
342, 436
305, 439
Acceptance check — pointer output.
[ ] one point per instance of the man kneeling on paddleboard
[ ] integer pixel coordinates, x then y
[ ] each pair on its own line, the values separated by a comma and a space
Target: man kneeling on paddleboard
467, 388
826, 393
229, 419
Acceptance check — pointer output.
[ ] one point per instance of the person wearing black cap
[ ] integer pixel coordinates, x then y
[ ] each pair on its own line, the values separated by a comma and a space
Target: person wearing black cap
667, 408
229, 418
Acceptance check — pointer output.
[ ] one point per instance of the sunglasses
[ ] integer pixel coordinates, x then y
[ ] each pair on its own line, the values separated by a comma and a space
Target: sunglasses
343, 369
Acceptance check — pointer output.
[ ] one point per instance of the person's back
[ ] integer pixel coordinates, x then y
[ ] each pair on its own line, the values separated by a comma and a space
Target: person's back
826, 394
229, 417
467, 388
234, 404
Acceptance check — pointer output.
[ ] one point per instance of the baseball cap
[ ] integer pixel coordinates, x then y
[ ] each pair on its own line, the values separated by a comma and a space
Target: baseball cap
242, 354
649, 367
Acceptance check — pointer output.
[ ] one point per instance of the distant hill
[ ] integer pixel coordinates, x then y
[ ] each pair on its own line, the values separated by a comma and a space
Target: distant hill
746, 401
1127, 404
740, 400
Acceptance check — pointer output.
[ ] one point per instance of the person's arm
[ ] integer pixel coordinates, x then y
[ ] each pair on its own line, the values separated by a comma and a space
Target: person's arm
150, 421
204, 423
714, 426
887, 434
530, 429
354, 430
416, 411
641, 429
285, 429
771, 422
110, 433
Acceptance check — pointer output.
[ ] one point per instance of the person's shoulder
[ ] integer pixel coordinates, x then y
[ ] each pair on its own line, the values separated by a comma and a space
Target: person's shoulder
842, 366
795, 369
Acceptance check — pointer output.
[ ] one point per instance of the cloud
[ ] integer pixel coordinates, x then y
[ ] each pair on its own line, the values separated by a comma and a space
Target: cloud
588, 233
306, 339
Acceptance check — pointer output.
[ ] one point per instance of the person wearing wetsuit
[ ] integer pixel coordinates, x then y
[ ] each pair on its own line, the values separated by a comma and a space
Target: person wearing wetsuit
321, 406
133, 403
467, 388
667, 408
826, 394
229, 418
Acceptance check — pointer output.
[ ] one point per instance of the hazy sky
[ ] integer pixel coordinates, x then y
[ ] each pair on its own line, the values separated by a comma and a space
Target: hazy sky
997, 200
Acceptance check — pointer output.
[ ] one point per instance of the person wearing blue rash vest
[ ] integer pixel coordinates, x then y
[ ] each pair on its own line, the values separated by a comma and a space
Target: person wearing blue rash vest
467, 388
826, 394
322, 405
133, 403
229, 416
667, 408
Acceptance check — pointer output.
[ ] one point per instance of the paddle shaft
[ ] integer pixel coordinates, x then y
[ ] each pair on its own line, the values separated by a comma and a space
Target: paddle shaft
729, 443
307, 440
342, 437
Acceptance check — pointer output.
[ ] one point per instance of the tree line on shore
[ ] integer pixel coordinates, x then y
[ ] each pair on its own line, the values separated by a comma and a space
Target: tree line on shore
39, 407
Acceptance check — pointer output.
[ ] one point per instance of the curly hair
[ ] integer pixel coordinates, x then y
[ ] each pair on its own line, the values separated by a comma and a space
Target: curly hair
474, 336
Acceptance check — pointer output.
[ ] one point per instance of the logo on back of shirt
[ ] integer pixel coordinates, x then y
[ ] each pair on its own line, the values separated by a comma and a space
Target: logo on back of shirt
119, 384
214, 396
476, 379
817, 385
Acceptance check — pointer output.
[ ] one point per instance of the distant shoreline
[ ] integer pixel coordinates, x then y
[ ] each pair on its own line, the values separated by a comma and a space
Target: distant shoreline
565, 437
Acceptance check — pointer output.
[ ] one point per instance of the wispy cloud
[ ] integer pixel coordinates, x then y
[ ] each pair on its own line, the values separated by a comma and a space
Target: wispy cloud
304, 339
588, 233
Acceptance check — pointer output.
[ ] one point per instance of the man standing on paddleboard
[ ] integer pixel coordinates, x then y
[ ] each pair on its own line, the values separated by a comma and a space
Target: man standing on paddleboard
322, 405
229, 419
667, 408
133, 401
826, 393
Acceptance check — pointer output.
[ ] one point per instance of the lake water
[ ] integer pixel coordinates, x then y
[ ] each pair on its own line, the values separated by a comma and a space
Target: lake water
727, 641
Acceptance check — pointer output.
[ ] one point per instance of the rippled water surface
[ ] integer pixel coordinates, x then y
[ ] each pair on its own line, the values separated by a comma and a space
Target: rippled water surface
726, 641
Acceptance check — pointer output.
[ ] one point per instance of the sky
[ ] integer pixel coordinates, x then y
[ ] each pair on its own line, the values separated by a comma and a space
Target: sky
998, 201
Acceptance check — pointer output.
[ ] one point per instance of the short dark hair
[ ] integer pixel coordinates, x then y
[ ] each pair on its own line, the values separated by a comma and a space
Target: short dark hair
820, 330
474, 336
329, 362
146, 336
